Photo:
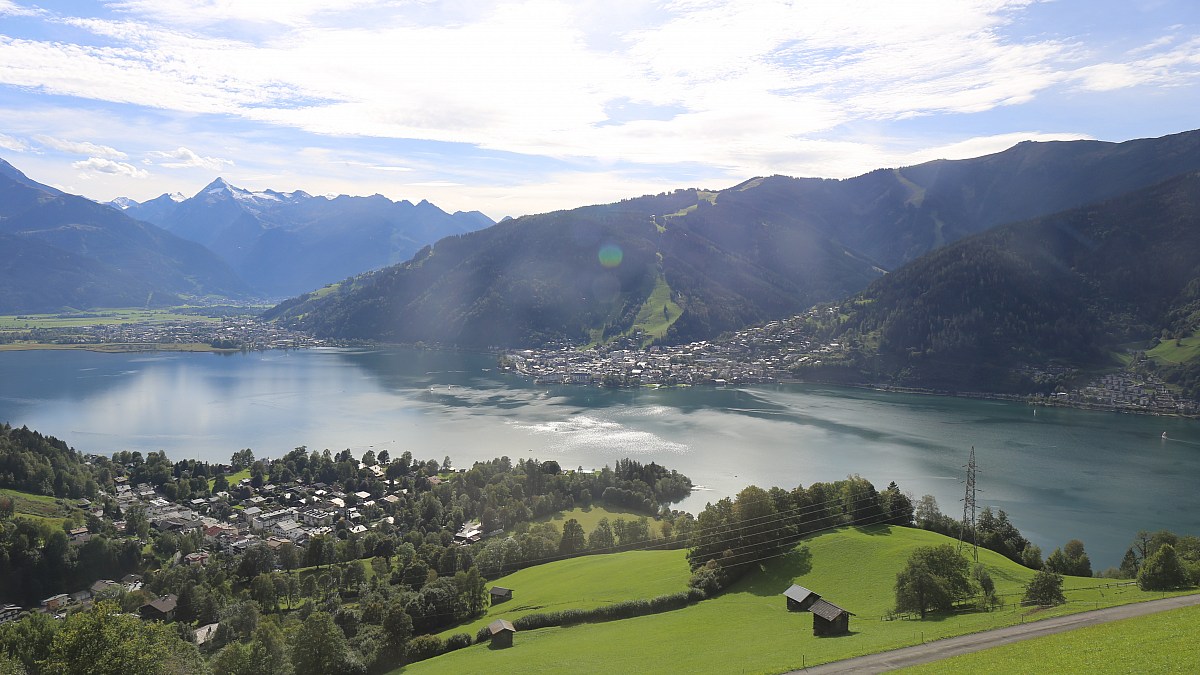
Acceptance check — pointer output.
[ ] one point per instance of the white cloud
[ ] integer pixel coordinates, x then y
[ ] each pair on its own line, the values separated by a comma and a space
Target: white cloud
527, 77
744, 89
182, 158
80, 147
101, 165
12, 143
9, 8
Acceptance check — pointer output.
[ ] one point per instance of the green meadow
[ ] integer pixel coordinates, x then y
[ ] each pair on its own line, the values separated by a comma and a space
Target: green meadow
585, 583
97, 317
1176, 351
233, 478
748, 628
39, 507
590, 517
1148, 644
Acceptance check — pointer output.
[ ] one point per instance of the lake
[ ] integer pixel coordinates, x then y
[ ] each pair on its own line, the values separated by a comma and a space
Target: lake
1059, 473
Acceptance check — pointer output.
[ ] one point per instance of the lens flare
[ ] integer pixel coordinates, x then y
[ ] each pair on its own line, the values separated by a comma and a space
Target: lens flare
610, 255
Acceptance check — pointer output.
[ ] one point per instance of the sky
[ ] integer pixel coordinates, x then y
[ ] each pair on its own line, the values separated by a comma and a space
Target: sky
512, 108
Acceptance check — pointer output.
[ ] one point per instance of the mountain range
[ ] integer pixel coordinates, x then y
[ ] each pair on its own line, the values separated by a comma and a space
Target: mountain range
285, 243
64, 251
696, 263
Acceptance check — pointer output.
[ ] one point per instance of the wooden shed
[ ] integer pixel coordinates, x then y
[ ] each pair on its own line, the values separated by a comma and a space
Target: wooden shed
829, 619
500, 594
502, 633
799, 598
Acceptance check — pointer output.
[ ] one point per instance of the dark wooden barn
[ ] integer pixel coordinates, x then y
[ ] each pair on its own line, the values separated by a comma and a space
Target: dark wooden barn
829, 619
799, 598
500, 594
502, 633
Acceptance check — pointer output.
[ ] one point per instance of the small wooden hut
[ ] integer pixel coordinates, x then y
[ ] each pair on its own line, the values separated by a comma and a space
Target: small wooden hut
500, 594
799, 598
502, 633
829, 619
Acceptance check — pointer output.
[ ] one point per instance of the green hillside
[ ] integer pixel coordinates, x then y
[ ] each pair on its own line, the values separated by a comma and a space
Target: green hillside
763, 250
1148, 644
586, 582
1069, 289
748, 628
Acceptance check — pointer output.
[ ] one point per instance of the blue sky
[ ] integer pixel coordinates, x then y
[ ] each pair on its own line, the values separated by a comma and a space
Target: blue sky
523, 107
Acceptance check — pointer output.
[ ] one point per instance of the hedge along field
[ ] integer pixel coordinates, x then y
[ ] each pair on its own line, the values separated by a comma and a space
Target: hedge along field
748, 628
1143, 644
585, 582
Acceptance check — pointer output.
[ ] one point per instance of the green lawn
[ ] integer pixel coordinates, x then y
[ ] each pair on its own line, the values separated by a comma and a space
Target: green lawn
97, 317
586, 582
748, 628
1148, 644
590, 517
1168, 351
233, 478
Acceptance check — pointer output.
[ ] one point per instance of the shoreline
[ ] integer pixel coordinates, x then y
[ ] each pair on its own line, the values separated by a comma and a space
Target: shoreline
115, 347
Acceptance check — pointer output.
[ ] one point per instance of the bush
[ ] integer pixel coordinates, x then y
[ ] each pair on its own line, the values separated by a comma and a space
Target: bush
613, 612
710, 578
424, 647
482, 635
458, 641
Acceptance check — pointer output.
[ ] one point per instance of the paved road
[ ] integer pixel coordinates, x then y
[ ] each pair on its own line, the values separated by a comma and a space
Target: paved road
965, 644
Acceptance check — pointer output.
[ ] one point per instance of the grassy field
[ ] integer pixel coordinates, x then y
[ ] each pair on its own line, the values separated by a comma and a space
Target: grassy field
590, 517
651, 319
233, 478
748, 628
1148, 644
96, 317
586, 582
1168, 351
38, 507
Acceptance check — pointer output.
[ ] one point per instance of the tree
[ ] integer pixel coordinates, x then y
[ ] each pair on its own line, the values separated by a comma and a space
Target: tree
103, 641
1071, 560
289, 556
601, 538
1031, 557
934, 578
1162, 571
899, 506
397, 628
987, 587
926, 511
1045, 589
319, 647
573, 540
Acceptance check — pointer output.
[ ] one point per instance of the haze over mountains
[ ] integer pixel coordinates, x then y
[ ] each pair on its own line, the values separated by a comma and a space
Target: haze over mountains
762, 250
61, 250
285, 243
1085, 245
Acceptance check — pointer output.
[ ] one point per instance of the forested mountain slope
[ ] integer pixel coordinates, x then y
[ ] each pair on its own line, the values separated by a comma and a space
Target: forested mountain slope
710, 262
